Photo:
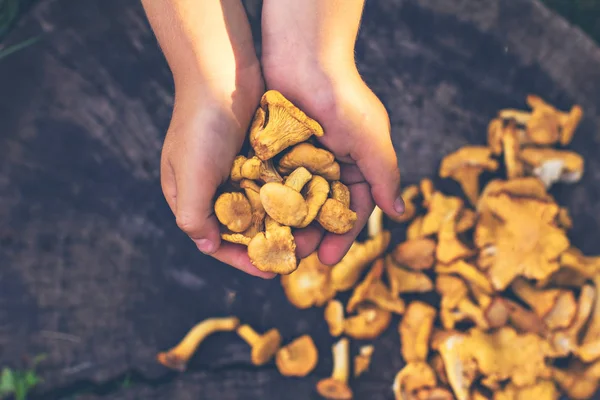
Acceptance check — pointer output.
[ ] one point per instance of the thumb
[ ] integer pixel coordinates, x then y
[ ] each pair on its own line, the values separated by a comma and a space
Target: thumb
377, 161
194, 206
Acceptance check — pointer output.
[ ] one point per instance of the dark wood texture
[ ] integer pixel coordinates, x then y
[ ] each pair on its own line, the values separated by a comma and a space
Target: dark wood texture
94, 272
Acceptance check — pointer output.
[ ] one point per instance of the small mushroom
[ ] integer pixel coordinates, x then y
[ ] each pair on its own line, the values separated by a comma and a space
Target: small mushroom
551, 165
374, 290
547, 125
362, 360
449, 248
529, 187
336, 387
467, 219
375, 222
409, 195
578, 381
511, 146
455, 305
556, 307
341, 193
415, 254
233, 210
590, 343
318, 161
524, 320
361, 254
466, 165
256, 169
412, 379
298, 358
405, 281
468, 272
283, 202
273, 250
310, 284
569, 124
415, 229
263, 346
369, 322
440, 208
178, 357
316, 193
278, 124
334, 316
574, 259
415, 331
236, 169
427, 191
335, 215
495, 130
258, 212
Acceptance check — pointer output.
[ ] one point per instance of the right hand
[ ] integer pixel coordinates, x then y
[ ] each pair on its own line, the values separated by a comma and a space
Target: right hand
206, 132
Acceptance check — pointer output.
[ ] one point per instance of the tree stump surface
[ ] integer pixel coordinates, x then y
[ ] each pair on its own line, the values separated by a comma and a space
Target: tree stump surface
95, 273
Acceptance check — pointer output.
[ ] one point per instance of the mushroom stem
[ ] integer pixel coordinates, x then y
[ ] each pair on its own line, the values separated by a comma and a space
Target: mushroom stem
178, 356
249, 335
341, 367
298, 178
375, 223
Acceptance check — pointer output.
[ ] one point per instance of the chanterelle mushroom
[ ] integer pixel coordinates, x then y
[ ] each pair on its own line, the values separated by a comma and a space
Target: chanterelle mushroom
415, 331
578, 381
263, 346
178, 357
449, 247
233, 210
273, 250
368, 323
336, 387
465, 165
440, 207
551, 165
413, 378
405, 281
347, 272
498, 356
283, 202
525, 243
317, 161
310, 284
363, 359
316, 193
335, 216
416, 254
298, 358
334, 316
374, 290
278, 124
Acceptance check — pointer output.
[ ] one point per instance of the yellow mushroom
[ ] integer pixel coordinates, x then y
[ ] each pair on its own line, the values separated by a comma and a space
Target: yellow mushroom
318, 161
334, 317
298, 358
273, 250
362, 360
263, 346
336, 387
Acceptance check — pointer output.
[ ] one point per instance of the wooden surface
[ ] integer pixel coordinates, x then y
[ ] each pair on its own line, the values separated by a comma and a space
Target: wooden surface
94, 272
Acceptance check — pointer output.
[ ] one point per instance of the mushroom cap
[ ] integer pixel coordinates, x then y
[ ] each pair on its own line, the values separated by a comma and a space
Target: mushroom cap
335, 217
369, 322
317, 161
274, 251
316, 192
234, 211
341, 193
552, 165
415, 330
440, 207
238, 238
405, 281
416, 254
172, 361
478, 157
334, 390
310, 284
414, 377
279, 124
265, 347
284, 204
298, 358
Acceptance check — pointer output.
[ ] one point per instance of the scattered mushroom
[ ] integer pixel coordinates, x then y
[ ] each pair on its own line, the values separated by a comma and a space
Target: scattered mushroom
336, 387
368, 323
415, 331
278, 124
466, 165
310, 284
551, 165
263, 346
416, 254
362, 360
374, 290
298, 358
317, 190
449, 248
284, 202
334, 316
178, 357
405, 281
412, 379
440, 208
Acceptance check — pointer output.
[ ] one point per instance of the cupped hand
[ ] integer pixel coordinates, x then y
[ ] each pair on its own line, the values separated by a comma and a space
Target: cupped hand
357, 131
205, 134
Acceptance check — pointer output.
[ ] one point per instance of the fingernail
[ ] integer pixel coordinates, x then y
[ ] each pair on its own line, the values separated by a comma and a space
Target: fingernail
399, 205
205, 246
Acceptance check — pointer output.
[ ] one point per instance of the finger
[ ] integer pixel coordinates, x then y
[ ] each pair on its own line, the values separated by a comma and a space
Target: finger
350, 174
237, 256
167, 183
379, 165
307, 240
333, 247
196, 187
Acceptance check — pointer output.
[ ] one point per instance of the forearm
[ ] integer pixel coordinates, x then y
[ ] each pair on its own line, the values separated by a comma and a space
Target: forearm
205, 42
321, 30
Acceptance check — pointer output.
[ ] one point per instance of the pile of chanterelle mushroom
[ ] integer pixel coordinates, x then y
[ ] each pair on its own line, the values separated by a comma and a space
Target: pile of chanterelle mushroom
502, 306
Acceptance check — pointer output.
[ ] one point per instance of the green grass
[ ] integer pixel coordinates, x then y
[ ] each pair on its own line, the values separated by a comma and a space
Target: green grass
19, 383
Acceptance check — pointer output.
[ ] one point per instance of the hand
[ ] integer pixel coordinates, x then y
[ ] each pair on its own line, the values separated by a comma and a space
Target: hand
357, 131
207, 130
